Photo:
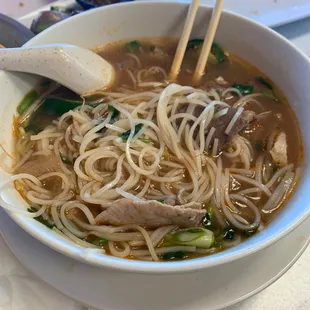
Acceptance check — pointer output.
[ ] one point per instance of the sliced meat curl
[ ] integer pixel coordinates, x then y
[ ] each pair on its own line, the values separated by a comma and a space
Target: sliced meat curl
151, 214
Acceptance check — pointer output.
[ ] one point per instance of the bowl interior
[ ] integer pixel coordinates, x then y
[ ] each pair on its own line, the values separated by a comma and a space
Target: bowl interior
260, 46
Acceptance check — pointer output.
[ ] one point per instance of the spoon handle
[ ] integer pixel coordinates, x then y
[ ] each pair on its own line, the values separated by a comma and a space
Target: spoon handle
76, 68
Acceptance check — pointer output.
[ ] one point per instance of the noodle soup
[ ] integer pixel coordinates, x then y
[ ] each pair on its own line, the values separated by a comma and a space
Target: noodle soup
154, 170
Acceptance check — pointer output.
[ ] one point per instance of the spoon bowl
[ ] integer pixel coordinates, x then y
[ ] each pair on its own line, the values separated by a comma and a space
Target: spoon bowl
79, 69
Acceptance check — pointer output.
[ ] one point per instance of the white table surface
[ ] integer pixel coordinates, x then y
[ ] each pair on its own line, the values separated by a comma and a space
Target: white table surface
290, 292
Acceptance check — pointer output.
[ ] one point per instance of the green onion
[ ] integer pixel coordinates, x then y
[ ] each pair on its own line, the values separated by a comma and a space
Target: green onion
40, 219
55, 8
244, 89
126, 134
152, 48
100, 242
217, 51
229, 234
264, 82
144, 140
260, 145
196, 236
58, 105
207, 219
161, 200
270, 94
174, 255
217, 54
115, 113
27, 101
133, 46
194, 44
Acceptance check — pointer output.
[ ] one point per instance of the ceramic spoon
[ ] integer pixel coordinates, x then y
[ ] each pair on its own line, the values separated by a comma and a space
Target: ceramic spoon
77, 68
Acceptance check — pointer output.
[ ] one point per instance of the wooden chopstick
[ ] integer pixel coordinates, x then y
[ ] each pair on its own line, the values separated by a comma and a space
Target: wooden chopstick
179, 55
208, 40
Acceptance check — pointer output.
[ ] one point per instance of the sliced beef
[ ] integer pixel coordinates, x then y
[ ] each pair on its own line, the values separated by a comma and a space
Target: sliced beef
220, 124
279, 150
39, 165
151, 214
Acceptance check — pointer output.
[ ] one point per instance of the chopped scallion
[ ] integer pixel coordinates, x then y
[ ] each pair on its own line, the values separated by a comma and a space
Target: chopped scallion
126, 134
244, 89
40, 219
133, 46
27, 101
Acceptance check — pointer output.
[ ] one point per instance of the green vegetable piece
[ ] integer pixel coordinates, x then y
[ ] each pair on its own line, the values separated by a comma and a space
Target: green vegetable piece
40, 219
144, 140
244, 89
126, 134
152, 48
260, 145
27, 101
217, 54
115, 113
264, 82
161, 200
174, 255
58, 105
207, 219
194, 44
133, 46
196, 236
217, 51
229, 234
270, 94
55, 8
100, 242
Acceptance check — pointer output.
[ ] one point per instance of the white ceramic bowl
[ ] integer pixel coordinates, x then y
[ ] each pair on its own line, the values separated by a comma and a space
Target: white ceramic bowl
262, 47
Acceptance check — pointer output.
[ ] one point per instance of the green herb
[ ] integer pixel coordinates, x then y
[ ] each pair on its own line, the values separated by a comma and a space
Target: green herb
27, 101
194, 44
270, 94
217, 54
133, 46
144, 140
33, 128
196, 236
126, 134
58, 105
65, 160
40, 219
174, 255
100, 242
55, 8
244, 89
207, 219
115, 113
229, 234
152, 48
161, 200
264, 82
260, 145
217, 51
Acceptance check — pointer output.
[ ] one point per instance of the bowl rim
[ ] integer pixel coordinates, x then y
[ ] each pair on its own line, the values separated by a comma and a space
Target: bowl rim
196, 264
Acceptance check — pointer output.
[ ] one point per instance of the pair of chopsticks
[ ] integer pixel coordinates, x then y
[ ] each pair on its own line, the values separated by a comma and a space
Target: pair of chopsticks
207, 44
